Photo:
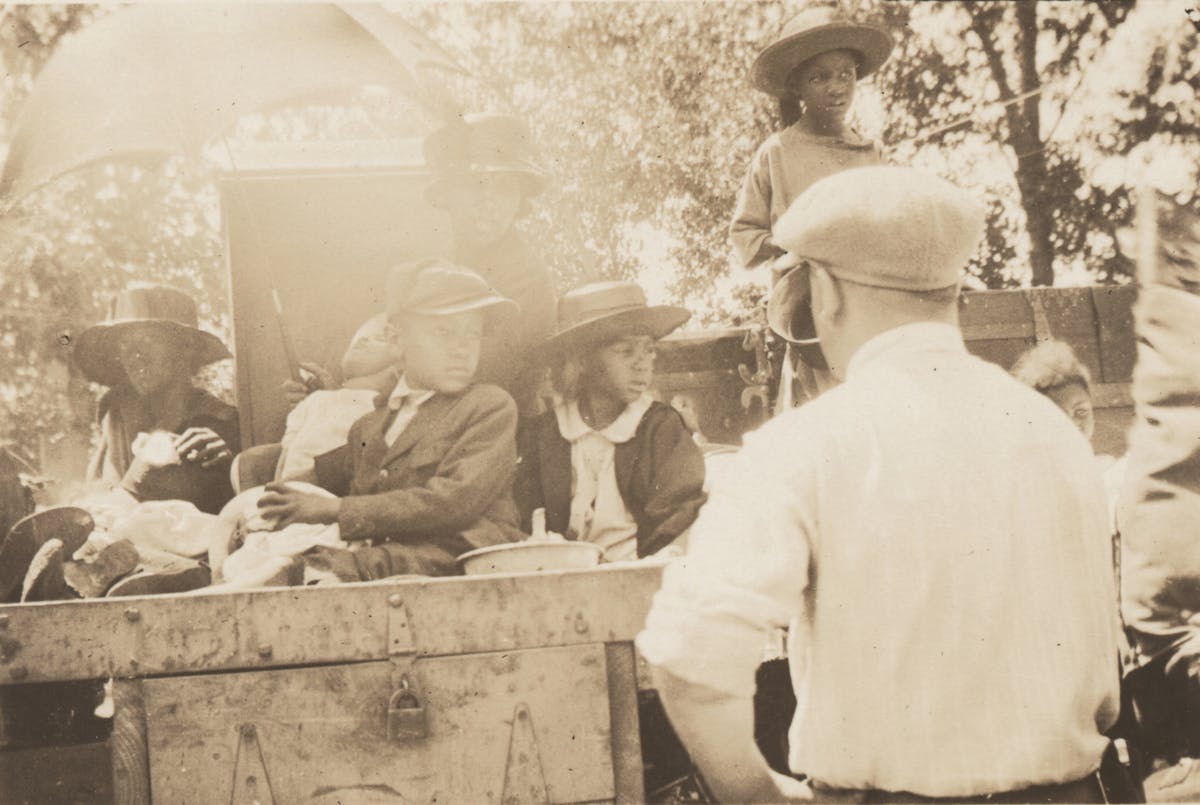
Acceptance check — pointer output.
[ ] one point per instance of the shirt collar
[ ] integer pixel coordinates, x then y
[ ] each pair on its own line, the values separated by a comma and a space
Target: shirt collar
620, 430
926, 337
403, 393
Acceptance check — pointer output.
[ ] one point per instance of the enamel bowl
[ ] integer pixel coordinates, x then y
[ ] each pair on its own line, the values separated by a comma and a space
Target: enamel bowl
530, 557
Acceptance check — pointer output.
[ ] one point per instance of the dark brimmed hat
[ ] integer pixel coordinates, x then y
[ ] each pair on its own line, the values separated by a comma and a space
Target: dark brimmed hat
140, 305
604, 311
482, 143
816, 30
437, 287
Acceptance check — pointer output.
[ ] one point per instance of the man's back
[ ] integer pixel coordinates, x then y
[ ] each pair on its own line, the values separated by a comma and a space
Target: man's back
961, 575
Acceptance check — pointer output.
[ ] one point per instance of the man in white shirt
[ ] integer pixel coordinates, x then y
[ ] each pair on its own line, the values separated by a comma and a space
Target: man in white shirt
933, 532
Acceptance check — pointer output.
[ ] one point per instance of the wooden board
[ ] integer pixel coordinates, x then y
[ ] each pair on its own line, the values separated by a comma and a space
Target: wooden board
174, 634
320, 733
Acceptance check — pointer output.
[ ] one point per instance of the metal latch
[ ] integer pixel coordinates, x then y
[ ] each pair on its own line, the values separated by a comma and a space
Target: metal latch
406, 716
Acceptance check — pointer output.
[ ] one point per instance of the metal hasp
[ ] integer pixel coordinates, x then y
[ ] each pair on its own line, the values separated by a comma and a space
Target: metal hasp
524, 780
406, 716
758, 380
251, 784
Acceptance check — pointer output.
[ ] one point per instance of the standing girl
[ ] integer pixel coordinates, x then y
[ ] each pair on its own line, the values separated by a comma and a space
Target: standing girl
609, 464
812, 68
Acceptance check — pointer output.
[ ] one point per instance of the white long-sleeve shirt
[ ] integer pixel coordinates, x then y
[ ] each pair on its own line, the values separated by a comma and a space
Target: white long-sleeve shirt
935, 533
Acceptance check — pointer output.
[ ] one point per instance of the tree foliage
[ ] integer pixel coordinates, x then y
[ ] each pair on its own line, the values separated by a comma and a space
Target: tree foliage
645, 119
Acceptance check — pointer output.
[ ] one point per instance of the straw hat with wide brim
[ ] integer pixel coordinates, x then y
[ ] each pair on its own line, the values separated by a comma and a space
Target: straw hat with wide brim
482, 144
143, 305
604, 311
810, 33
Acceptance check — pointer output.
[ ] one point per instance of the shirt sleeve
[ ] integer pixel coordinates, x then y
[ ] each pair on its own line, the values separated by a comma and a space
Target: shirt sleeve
750, 230
745, 571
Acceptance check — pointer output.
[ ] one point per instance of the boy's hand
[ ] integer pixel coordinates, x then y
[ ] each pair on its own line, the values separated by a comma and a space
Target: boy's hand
315, 377
281, 505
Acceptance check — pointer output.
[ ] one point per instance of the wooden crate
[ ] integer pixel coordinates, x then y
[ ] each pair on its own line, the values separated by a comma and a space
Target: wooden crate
528, 684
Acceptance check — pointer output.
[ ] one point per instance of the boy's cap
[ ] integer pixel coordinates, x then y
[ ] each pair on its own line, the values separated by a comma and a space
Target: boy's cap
441, 288
484, 143
810, 33
886, 227
603, 311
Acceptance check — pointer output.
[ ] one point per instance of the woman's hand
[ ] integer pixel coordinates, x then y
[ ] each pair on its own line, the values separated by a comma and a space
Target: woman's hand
203, 446
281, 505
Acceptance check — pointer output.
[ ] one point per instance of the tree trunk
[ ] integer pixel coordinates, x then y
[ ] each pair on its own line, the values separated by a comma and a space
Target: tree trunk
1025, 139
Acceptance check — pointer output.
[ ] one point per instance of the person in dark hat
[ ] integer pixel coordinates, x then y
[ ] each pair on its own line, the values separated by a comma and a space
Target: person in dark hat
485, 174
933, 532
812, 67
609, 464
147, 353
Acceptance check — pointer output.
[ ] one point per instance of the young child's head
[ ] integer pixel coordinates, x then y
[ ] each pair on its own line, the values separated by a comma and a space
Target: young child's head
606, 341
484, 175
1053, 369
438, 320
817, 58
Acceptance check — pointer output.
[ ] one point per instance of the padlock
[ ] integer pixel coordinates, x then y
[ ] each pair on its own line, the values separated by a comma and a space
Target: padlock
406, 718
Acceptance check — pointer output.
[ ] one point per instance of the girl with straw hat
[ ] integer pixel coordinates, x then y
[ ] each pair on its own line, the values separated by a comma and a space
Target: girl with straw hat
812, 67
609, 464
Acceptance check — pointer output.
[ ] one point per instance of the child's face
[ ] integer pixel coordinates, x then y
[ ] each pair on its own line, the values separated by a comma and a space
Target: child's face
825, 83
441, 353
624, 368
151, 358
483, 206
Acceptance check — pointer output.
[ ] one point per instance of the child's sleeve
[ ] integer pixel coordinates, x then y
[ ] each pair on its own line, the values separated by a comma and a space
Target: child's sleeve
527, 488
750, 230
476, 469
676, 489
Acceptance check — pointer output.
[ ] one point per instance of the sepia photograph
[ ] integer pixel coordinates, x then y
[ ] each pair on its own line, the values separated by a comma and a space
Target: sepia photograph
627, 401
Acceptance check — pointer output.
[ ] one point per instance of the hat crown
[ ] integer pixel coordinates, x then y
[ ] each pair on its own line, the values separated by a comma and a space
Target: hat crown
597, 300
812, 17
480, 142
154, 303
437, 287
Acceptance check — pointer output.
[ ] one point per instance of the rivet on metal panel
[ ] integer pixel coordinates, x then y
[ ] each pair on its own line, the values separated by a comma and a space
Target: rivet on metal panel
581, 624
20, 672
132, 615
394, 600
265, 651
400, 639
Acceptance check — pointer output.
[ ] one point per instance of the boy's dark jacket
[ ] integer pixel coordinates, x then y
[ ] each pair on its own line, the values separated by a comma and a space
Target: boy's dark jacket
660, 474
446, 483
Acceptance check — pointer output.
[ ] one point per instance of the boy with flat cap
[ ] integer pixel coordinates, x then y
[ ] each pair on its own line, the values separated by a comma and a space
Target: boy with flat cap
428, 474
932, 530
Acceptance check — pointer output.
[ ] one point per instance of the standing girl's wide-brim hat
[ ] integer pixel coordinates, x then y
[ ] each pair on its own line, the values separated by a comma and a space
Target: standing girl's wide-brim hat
140, 305
483, 143
605, 311
810, 33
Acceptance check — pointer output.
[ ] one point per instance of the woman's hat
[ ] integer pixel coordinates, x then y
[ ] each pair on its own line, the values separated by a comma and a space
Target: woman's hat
810, 33
168, 309
604, 311
438, 287
483, 143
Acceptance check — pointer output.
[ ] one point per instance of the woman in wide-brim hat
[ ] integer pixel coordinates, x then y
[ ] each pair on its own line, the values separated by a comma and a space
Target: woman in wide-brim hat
147, 353
609, 464
812, 66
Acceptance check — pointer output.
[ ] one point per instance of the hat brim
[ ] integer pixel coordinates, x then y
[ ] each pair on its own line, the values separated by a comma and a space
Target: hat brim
533, 181
776, 62
96, 347
655, 321
499, 306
